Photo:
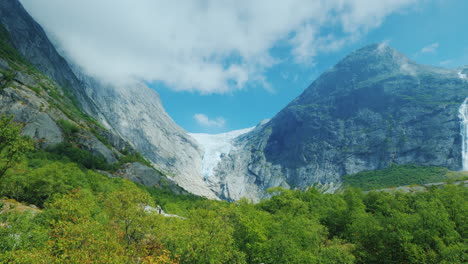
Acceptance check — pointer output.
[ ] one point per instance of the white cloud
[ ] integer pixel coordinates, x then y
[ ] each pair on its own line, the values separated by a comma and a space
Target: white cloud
430, 48
208, 46
445, 62
203, 120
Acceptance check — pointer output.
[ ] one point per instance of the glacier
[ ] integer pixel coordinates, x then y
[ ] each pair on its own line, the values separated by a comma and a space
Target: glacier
215, 147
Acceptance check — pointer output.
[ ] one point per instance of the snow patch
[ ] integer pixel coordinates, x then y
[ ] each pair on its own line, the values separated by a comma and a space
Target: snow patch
405, 67
382, 46
462, 76
215, 147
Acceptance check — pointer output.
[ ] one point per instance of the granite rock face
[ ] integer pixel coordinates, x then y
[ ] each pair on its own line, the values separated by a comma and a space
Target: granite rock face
30, 40
38, 113
374, 108
135, 112
25, 106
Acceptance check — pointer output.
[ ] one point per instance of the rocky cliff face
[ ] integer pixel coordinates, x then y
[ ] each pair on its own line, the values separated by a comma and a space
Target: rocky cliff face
135, 112
374, 108
30, 40
131, 111
42, 104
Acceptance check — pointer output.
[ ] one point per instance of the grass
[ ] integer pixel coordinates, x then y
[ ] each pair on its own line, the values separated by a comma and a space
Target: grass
8, 77
396, 175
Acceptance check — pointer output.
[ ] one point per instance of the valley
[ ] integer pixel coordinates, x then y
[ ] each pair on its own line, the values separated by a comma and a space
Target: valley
367, 165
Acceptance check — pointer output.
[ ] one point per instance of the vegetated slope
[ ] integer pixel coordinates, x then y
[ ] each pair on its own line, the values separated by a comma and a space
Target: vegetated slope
49, 114
57, 108
82, 216
31, 42
400, 175
374, 108
86, 217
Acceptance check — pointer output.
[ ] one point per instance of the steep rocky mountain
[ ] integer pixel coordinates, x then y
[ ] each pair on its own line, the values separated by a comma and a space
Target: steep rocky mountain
30, 40
374, 108
41, 91
131, 112
135, 112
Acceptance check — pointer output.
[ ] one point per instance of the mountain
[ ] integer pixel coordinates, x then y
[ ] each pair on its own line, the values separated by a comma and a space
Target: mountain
131, 112
373, 109
41, 91
30, 40
135, 112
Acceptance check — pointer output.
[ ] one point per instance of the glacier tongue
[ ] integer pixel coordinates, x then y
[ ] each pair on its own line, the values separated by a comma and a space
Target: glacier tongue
215, 146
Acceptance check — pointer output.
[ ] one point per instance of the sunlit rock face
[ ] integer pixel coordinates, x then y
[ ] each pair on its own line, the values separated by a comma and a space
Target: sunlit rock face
135, 112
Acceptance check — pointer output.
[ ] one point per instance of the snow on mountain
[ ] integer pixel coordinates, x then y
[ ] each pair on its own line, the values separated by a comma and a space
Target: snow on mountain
462, 76
215, 146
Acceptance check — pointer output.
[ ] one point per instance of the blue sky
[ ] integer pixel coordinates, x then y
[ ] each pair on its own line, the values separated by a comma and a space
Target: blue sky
442, 23
226, 65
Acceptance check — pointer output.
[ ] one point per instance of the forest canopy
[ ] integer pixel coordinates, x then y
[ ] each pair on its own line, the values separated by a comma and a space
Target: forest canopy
56, 211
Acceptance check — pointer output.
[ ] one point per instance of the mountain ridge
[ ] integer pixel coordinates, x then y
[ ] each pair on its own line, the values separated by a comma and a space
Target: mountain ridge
374, 108
365, 113
39, 89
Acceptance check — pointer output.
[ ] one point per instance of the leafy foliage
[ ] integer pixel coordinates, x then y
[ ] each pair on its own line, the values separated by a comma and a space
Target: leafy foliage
86, 217
80, 156
12, 144
67, 127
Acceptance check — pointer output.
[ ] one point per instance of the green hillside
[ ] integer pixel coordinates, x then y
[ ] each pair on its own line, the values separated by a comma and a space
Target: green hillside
398, 175
85, 217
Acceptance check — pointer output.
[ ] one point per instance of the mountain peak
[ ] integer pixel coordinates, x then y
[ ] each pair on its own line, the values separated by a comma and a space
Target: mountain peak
375, 59
378, 53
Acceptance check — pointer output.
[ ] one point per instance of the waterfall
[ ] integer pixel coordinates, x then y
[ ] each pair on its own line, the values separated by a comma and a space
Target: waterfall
463, 114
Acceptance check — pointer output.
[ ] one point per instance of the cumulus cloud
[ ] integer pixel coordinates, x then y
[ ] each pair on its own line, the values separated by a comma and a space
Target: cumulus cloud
203, 120
208, 46
430, 48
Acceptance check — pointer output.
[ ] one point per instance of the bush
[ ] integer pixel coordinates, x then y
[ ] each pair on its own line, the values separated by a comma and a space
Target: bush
67, 127
80, 156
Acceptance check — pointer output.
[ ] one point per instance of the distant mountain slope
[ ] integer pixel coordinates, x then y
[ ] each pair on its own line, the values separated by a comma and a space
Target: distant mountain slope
374, 108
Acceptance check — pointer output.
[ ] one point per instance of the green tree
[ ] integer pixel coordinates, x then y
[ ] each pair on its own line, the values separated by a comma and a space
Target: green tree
12, 144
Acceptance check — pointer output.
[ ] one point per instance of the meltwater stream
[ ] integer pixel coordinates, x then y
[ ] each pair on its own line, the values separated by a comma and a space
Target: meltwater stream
463, 114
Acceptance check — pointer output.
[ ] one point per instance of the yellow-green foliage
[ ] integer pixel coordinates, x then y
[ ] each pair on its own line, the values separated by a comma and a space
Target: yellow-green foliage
86, 217
12, 144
